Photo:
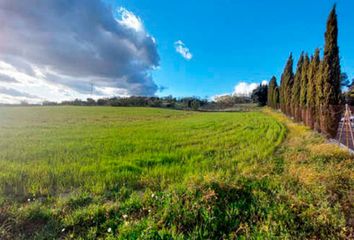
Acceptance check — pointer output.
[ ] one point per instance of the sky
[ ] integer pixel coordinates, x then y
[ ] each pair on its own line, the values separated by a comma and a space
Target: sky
65, 49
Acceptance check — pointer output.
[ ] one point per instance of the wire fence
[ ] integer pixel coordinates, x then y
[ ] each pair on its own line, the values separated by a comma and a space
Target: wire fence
345, 134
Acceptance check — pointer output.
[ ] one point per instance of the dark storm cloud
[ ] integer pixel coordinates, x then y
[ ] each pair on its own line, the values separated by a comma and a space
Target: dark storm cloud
7, 79
77, 39
15, 93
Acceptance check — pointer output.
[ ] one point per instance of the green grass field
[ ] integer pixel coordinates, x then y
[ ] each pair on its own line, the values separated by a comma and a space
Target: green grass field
139, 173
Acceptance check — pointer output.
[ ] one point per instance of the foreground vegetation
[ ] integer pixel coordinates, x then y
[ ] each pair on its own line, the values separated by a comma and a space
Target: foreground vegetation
129, 173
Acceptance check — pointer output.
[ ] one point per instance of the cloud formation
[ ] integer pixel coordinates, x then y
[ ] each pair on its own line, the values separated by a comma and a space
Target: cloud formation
73, 43
244, 89
7, 79
183, 50
15, 93
264, 82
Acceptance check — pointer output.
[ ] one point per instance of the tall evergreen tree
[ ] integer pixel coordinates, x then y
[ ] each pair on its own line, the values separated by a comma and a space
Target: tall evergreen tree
313, 69
287, 80
295, 91
271, 92
303, 88
276, 96
319, 97
331, 78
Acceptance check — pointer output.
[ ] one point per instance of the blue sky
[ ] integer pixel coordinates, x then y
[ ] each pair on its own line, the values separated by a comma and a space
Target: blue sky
65, 49
233, 40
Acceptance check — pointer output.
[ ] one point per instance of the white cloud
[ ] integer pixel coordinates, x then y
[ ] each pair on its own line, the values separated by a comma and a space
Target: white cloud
130, 20
244, 89
111, 92
183, 50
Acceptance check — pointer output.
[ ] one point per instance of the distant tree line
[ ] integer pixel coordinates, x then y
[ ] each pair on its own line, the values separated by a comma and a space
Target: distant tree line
185, 103
192, 103
313, 94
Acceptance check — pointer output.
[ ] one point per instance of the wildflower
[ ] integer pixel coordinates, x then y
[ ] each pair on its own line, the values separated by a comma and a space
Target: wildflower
109, 230
152, 195
149, 210
125, 216
63, 230
28, 200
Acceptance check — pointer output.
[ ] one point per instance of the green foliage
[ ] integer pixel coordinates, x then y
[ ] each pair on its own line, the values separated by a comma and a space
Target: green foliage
276, 96
344, 80
331, 75
260, 95
296, 89
319, 86
287, 81
195, 105
316, 88
311, 101
272, 100
185, 103
304, 82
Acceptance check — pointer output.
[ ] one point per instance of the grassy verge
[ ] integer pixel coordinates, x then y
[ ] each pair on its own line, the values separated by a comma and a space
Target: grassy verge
318, 178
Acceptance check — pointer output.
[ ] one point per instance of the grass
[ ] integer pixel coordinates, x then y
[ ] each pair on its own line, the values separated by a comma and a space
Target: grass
139, 173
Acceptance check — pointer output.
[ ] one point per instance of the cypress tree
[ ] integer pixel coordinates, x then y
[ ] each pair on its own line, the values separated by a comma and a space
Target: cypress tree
295, 91
303, 88
331, 78
319, 97
287, 80
271, 91
313, 69
276, 97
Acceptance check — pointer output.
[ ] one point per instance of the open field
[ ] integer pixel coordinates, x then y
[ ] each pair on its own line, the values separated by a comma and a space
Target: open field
128, 173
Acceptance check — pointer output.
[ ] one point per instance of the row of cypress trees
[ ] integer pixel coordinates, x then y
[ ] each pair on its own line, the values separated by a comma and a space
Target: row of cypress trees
313, 94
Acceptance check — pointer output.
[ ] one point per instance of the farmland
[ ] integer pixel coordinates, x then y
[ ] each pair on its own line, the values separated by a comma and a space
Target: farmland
129, 173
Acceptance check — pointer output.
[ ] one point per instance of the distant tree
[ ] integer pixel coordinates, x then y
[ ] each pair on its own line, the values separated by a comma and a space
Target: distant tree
303, 88
344, 80
154, 102
102, 102
90, 102
259, 95
295, 90
49, 103
331, 77
169, 101
195, 105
